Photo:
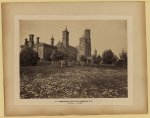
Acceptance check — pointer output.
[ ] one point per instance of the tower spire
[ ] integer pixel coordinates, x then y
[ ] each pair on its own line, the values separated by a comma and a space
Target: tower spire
66, 29
52, 40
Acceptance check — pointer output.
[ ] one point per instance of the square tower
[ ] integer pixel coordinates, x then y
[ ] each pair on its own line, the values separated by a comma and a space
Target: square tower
65, 38
88, 37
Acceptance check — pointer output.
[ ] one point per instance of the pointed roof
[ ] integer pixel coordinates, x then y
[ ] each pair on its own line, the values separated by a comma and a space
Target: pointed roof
66, 30
52, 38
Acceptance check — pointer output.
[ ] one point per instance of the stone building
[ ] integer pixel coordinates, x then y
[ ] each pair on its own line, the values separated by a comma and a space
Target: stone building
45, 50
65, 47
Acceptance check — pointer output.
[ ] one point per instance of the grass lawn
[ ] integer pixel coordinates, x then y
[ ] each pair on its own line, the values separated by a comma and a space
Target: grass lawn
72, 82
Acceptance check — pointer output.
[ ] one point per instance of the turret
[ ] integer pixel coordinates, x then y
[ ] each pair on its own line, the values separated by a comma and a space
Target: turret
52, 41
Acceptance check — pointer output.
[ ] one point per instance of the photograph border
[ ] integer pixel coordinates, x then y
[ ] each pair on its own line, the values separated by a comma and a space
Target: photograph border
147, 10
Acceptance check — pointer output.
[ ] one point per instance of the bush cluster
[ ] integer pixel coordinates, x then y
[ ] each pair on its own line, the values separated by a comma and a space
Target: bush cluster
28, 57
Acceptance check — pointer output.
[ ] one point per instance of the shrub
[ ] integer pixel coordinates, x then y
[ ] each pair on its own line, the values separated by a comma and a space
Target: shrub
123, 57
119, 63
108, 57
89, 61
58, 55
98, 59
28, 57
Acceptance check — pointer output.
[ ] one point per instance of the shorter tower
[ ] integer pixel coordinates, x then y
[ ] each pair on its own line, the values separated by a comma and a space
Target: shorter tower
52, 41
65, 38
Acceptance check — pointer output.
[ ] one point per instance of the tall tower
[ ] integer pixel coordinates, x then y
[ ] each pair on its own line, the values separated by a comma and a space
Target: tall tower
52, 41
87, 36
65, 38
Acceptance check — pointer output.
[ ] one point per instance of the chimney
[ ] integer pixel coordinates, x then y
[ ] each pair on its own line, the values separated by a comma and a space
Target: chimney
37, 39
31, 41
26, 43
31, 37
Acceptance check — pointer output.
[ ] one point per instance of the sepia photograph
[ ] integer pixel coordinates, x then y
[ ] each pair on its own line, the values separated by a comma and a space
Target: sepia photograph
73, 59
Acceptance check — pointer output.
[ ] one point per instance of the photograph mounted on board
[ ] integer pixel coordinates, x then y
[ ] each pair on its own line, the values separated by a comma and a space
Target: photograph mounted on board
85, 58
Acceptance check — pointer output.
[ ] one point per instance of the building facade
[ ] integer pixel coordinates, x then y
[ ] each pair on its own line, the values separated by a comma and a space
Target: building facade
45, 50
74, 53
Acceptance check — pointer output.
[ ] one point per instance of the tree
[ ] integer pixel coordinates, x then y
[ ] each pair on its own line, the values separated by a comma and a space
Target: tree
108, 57
119, 63
53, 57
115, 59
94, 59
123, 57
58, 56
98, 59
28, 57
89, 61
83, 59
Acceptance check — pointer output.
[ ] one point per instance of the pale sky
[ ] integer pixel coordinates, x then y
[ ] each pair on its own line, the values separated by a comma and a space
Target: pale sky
105, 34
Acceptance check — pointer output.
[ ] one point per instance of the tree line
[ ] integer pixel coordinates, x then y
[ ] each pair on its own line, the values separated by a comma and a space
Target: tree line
29, 57
108, 57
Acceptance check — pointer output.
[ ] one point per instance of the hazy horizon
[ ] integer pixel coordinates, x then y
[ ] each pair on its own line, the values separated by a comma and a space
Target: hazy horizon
105, 34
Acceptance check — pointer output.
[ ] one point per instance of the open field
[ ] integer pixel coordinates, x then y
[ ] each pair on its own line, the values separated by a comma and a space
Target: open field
72, 82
